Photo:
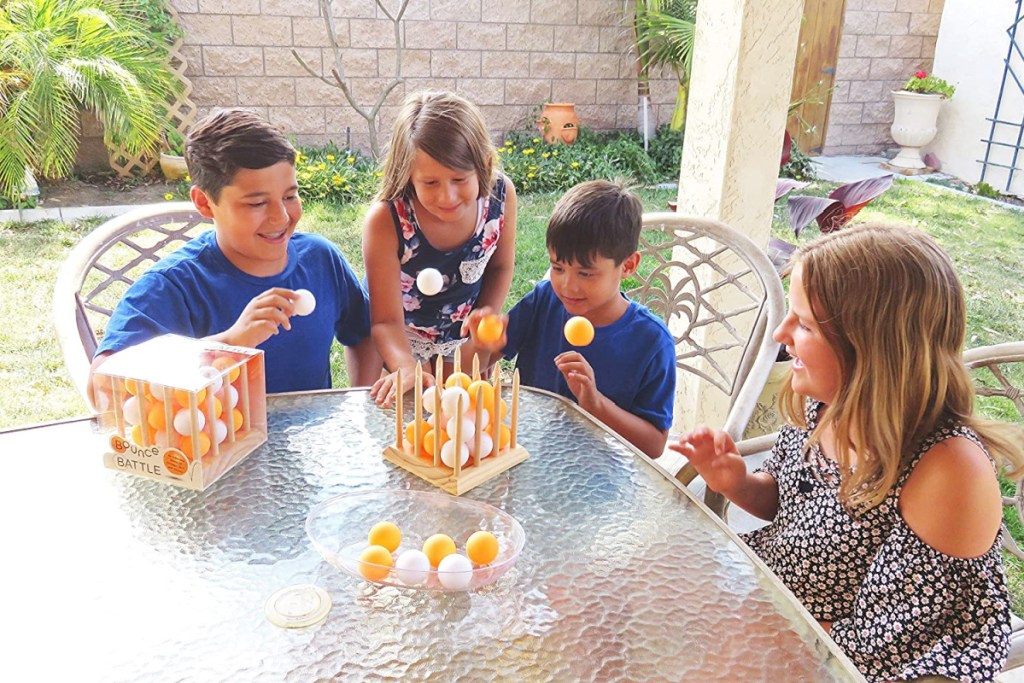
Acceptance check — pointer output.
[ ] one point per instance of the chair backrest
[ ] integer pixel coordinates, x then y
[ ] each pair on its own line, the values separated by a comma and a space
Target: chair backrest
103, 265
721, 298
999, 372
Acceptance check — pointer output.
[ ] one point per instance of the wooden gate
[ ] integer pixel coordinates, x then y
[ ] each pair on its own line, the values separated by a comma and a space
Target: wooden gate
815, 73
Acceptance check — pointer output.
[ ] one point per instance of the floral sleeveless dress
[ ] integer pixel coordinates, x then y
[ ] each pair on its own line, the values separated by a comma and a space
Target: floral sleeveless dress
900, 609
433, 323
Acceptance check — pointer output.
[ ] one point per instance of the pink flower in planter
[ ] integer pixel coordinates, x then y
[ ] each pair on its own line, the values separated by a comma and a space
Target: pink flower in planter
921, 74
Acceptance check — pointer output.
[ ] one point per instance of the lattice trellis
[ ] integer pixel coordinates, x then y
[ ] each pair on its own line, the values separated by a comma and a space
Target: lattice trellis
686, 288
995, 375
181, 112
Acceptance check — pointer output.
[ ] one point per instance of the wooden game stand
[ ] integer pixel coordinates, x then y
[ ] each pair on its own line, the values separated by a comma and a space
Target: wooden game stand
477, 470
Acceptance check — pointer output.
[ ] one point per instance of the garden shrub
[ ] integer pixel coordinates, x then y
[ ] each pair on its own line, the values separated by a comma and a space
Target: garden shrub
535, 166
336, 175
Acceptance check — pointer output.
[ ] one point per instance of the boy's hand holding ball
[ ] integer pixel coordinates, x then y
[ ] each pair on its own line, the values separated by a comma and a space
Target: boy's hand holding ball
265, 314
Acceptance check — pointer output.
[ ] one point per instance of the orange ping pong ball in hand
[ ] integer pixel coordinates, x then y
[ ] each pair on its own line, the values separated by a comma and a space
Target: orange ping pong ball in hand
490, 328
579, 331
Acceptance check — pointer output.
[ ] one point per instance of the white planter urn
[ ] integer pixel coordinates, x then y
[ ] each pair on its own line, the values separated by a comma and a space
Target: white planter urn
914, 126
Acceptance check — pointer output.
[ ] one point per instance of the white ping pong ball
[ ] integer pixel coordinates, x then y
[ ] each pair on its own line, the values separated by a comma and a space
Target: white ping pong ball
305, 302
429, 281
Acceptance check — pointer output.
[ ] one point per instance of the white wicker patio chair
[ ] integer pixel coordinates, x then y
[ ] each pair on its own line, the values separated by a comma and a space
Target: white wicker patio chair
103, 265
721, 298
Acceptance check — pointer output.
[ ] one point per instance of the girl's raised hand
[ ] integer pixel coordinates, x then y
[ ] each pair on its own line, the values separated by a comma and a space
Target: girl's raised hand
385, 389
715, 457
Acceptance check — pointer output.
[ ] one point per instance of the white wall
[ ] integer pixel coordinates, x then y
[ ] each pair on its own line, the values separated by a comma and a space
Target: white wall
970, 53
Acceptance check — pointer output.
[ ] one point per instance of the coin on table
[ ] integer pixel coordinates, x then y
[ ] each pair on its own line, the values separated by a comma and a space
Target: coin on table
298, 606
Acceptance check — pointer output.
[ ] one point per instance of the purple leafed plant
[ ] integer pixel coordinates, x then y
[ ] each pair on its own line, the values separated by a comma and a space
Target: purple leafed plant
783, 186
836, 210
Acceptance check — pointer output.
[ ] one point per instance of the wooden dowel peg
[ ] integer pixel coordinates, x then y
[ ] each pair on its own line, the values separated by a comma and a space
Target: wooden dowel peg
515, 408
458, 438
457, 365
478, 433
438, 417
476, 367
418, 409
439, 373
398, 409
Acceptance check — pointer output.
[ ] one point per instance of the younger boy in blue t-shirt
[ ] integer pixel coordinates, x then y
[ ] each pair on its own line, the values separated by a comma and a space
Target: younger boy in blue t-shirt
236, 284
626, 376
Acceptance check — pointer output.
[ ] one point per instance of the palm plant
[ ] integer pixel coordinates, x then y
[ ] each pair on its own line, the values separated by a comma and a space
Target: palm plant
664, 32
59, 57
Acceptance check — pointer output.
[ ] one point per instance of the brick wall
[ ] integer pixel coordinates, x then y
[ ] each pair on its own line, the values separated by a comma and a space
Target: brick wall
505, 55
883, 43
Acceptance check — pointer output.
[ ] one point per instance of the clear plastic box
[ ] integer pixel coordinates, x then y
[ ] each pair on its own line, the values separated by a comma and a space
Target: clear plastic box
166, 403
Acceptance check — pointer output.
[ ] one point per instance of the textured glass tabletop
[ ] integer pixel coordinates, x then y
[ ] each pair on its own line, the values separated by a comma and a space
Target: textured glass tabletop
111, 577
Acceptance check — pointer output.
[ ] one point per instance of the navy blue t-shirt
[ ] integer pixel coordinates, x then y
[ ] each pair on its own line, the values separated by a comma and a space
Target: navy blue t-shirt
197, 292
634, 358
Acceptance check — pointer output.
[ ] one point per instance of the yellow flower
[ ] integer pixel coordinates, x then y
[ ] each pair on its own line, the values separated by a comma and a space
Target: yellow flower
536, 140
168, 196
545, 155
528, 151
555, 153
575, 164
529, 175
379, 174
337, 179
533, 168
188, 179
330, 157
351, 160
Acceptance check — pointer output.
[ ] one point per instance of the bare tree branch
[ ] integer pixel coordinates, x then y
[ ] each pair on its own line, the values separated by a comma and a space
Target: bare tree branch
338, 71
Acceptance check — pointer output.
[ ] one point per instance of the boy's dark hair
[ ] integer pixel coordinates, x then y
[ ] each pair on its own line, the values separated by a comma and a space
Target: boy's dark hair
228, 140
598, 217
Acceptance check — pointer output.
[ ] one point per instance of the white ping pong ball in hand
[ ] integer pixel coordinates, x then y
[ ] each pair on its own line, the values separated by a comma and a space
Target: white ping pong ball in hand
305, 302
429, 281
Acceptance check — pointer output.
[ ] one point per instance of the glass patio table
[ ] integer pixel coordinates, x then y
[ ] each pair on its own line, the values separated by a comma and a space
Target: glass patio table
624, 576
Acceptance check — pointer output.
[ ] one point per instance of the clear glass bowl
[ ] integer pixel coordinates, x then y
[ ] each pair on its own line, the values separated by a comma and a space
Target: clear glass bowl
339, 527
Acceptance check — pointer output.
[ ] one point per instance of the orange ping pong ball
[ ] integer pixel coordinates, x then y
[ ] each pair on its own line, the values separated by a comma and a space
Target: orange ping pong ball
578, 331
482, 547
386, 534
490, 328
438, 547
375, 563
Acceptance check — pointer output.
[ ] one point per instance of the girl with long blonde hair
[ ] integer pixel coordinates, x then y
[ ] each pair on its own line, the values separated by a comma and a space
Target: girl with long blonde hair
882, 492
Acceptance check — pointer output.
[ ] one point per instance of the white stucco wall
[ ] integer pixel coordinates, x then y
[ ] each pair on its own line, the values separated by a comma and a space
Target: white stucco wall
970, 53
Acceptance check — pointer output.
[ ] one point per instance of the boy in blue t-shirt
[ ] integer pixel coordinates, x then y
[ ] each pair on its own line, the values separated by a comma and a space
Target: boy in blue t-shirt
236, 284
626, 376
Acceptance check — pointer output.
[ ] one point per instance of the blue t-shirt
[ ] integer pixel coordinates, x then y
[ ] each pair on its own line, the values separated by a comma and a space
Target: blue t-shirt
634, 358
197, 292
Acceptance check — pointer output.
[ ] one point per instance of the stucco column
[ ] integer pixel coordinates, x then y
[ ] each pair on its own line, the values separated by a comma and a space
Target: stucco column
739, 94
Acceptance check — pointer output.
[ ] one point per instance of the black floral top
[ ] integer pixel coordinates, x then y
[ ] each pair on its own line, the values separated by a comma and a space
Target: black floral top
900, 609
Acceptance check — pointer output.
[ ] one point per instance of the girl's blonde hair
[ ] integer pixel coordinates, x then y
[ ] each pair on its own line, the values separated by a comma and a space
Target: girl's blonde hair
892, 308
450, 129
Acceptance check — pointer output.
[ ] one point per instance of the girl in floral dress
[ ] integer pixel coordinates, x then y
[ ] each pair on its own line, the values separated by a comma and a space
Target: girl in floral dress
443, 204
882, 493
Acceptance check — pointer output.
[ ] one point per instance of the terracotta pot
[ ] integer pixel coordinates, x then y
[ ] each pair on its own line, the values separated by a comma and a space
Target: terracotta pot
173, 166
914, 125
559, 123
